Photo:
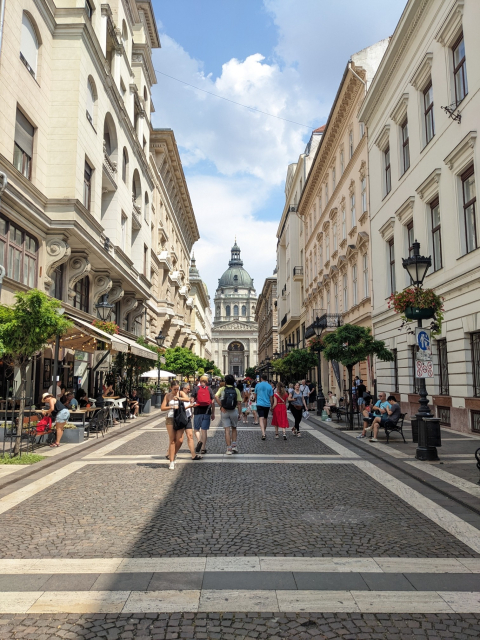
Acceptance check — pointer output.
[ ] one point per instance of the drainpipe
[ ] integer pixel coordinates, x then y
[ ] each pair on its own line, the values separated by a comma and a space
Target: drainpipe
2, 17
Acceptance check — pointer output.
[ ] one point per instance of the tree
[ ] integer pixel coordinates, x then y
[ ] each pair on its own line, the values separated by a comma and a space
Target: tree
25, 329
250, 372
351, 344
295, 365
181, 360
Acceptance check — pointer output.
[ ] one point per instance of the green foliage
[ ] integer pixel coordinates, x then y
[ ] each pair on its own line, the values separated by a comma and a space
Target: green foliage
296, 364
26, 458
104, 325
181, 360
251, 373
28, 325
422, 299
350, 344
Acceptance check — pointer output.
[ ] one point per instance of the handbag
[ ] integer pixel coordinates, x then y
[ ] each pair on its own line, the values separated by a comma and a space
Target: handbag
305, 415
180, 418
44, 425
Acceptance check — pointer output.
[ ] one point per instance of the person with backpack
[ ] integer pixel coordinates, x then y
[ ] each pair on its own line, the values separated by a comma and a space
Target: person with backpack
203, 413
229, 399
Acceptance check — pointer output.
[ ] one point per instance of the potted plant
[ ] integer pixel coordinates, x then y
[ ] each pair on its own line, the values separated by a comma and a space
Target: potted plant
107, 327
145, 392
415, 303
73, 434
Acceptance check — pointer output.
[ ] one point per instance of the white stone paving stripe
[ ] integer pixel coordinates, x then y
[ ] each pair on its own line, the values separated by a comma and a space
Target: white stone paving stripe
462, 530
16, 497
7, 469
460, 483
113, 445
213, 600
337, 447
383, 446
230, 563
220, 459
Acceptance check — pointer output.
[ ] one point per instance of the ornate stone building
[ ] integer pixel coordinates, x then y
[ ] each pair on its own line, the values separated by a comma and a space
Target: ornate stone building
201, 323
267, 318
235, 332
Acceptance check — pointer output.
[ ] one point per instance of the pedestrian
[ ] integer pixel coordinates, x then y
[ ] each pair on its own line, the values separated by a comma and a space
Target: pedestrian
203, 413
59, 414
245, 405
279, 418
171, 401
305, 391
186, 397
264, 401
230, 401
312, 395
297, 407
253, 406
361, 393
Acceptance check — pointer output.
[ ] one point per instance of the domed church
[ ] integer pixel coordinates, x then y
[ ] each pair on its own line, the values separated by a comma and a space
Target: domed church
235, 333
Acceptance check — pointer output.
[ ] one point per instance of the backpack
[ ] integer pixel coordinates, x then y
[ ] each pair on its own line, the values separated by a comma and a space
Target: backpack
229, 400
180, 418
203, 397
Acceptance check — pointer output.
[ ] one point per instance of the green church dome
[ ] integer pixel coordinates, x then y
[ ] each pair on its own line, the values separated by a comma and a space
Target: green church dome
235, 275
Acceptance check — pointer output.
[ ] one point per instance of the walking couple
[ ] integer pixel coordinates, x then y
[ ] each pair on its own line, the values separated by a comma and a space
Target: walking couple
267, 398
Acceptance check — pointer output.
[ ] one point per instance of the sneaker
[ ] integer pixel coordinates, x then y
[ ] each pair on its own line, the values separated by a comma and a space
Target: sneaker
361, 436
234, 448
284, 437
368, 429
373, 440
276, 435
328, 419
229, 451
172, 465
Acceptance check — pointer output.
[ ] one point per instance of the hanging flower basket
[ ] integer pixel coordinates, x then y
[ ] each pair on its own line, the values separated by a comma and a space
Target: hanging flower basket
108, 327
415, 303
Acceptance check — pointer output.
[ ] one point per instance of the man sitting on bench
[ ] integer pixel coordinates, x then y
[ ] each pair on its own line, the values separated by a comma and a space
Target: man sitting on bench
391, 419
377, 412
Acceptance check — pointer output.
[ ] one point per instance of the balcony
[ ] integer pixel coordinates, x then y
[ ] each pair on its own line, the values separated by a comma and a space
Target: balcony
109, 173
298, 274
326, 321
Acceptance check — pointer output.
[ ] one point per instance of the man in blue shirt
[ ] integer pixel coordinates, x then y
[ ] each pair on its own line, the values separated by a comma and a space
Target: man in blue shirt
379, 414
264, 399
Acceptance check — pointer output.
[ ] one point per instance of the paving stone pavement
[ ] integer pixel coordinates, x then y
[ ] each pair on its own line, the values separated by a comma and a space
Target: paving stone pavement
152, 443
237, 626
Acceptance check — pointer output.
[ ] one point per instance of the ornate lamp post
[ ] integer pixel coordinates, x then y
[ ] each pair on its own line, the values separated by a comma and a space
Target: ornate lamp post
318, 326
417, 267
104, 308
160, 339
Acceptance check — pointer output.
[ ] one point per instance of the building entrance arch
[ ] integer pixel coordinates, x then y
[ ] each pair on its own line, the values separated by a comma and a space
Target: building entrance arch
236, 359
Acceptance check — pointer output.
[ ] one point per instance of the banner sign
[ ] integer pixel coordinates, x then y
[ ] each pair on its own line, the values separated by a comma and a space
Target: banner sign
423, 360
336, 371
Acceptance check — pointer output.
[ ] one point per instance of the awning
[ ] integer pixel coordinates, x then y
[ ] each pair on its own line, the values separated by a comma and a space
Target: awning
138, 350
154, 374
83, 337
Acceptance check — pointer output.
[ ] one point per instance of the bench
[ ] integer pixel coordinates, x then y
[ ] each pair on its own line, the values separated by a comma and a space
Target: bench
390, 428
343, 410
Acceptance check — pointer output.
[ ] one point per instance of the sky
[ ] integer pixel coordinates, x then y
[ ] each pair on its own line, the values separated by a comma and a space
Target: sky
283, 57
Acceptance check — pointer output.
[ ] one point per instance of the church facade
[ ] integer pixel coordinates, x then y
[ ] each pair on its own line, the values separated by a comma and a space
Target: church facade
235, 332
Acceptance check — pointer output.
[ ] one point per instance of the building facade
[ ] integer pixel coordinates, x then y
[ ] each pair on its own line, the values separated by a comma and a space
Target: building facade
334, 208
235, 332
266, 317
422, 117
201, 324
290, 252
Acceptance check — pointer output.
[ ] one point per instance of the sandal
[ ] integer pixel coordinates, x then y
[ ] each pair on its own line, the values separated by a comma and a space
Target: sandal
203, 452
197, 457
263, 437
54, 444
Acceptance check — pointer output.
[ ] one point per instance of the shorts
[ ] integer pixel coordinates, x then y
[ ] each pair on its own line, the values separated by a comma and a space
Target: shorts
63, 416
169, 422
253, 407
244, 410
360, 401
262, 411
202, 421
229, 419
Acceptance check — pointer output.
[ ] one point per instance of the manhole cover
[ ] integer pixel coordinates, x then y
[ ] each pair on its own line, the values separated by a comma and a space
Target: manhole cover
338, 515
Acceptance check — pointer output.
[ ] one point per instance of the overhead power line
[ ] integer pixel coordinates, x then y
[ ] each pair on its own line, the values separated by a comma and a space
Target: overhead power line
245, 106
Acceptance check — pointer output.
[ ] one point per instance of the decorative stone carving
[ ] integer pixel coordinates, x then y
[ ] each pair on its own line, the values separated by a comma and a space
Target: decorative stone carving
422, 74
430, 187
116, 293
58, 252
78, 267
101, 285
129, 304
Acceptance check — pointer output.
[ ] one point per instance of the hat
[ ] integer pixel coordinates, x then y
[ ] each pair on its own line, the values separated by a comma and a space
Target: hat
46, 395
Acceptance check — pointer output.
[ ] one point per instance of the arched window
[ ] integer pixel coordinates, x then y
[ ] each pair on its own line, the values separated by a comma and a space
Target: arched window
110, 137
227, 310
145, 210
244, 310
136, 188
91, 96
145, 94
218, 310
235, 310
29, 45
125, 165
124, 34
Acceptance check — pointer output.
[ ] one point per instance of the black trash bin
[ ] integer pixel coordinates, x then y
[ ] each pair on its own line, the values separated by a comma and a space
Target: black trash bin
434, 435
414, 422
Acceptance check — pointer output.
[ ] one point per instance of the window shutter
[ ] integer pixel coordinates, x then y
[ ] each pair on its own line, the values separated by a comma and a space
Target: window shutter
29, 43
24, 134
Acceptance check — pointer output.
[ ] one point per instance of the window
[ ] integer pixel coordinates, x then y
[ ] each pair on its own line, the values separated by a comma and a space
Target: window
391, 257
235, 309
87, 185
335, 294
145, 210
352, 211
334, 179
218, 310
342, 162
124, 165
350, 144
444, 414
388, 171
469, 209
475, 421
443, 367
57, 279
244, 310
410, 238
405, 147
145, 259
29, 45
18, 253
395, 370
328, 301
344, 224
90, 101
335, 239
327, 248
428, 113
415, 380
363, 184
123, 239
459, 70
345, 293
436, 234
355, 284
362, 129
227, 310
23, 149
81, 288
365, 275
475, 346
88, 9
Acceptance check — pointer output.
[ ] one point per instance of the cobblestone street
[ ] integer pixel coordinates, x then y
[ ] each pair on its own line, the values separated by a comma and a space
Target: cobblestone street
314, 537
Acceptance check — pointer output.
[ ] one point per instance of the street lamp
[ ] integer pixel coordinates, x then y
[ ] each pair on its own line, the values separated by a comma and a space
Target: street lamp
104, 308
289, 346
318, 326
417, 267
160, 339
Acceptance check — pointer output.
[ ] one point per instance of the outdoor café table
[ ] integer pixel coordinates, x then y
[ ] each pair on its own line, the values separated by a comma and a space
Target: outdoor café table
84, 413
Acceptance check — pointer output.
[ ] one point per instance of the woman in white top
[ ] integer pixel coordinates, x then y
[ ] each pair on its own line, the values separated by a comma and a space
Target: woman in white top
170, 403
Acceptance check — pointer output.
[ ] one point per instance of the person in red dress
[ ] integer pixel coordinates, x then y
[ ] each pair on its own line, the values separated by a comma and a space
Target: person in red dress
279, 419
